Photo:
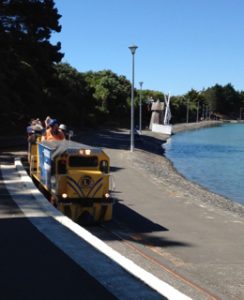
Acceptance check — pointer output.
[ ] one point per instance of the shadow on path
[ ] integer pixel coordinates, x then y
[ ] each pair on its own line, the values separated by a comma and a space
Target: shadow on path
134, 227
120, 139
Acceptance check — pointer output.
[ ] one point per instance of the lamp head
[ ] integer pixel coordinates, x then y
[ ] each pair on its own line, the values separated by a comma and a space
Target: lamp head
133, 49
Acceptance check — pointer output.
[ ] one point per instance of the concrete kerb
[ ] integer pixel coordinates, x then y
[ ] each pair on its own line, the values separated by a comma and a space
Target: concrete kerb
153, 282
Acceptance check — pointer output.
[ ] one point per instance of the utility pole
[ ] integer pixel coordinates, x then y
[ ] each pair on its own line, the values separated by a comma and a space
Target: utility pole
140, 107
187, 110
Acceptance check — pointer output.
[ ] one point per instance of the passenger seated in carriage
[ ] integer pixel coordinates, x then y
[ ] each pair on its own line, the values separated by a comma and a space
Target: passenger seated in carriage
34, 130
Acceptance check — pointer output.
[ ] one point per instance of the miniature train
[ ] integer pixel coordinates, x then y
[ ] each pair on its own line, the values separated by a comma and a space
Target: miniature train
76, 177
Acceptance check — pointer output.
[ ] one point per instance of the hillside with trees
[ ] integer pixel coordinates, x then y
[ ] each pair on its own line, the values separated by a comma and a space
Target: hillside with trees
35, 83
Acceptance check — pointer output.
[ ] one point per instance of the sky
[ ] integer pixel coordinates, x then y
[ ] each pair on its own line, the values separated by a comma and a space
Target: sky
182, 44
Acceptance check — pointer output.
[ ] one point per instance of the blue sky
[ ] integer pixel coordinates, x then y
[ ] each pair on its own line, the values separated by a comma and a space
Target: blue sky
182, 44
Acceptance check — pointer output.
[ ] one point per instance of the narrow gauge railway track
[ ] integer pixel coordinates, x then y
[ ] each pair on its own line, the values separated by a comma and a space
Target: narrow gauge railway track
148, 256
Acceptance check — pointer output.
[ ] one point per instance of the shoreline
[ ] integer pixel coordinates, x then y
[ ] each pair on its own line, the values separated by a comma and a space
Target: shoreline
192, 126
164, 170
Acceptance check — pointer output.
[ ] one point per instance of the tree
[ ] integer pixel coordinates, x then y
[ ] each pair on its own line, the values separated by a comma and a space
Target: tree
26, 55
27, 26
223, 100
111, 92
193, 101
70, 97
179, 109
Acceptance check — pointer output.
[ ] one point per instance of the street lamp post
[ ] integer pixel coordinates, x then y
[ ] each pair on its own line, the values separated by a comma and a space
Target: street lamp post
187, 110
140, 107
197, 119
241, 109
133, 51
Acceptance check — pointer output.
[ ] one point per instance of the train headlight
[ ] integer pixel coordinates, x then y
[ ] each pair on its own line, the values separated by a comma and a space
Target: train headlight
107, 195
85, 152
64, 196
88, 152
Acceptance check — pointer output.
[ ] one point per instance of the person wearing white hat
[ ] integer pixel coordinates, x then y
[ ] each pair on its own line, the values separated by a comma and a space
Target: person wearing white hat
64, 129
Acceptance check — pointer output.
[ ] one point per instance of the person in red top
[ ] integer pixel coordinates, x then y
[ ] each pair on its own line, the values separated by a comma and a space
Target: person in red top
53, 133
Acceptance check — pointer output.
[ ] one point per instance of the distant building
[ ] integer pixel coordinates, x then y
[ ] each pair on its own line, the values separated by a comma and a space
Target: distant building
157, 113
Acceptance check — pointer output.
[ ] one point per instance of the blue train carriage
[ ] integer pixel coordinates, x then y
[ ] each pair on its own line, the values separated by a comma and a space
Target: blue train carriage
77, 178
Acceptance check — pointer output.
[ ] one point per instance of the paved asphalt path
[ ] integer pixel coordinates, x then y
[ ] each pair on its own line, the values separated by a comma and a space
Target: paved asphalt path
31, 266
201, 242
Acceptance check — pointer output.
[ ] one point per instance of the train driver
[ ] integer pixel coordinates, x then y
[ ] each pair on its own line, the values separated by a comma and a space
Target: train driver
53, 133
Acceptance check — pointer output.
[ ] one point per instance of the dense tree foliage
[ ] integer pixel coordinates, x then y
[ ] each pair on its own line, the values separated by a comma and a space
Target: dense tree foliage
34, 83
223, 100
26, 55
217, 102
111, 93
69, 97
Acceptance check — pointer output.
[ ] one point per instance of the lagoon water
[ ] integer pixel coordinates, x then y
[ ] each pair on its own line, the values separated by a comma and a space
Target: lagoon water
212, 157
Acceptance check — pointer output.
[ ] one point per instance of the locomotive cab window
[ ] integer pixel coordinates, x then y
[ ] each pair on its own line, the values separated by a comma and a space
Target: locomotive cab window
83, 161
61, 167
104, 166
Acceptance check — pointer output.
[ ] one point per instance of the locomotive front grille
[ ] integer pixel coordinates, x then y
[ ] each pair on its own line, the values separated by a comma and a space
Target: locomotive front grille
85, 186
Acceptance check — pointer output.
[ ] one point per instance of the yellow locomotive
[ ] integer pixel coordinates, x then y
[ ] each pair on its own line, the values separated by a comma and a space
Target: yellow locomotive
76, 176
